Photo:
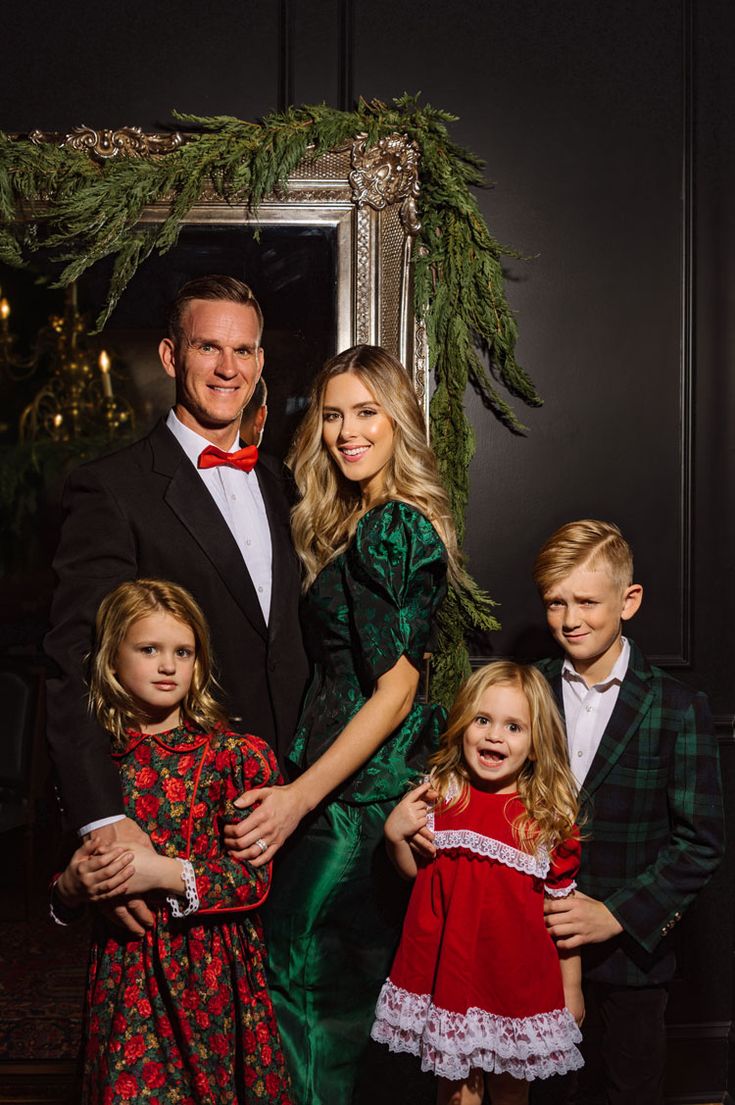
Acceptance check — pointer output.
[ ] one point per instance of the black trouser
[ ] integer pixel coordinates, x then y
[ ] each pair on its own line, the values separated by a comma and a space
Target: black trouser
624, 1049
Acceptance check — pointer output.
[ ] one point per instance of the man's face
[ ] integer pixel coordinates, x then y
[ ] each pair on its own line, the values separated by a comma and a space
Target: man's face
216, 365
584, 612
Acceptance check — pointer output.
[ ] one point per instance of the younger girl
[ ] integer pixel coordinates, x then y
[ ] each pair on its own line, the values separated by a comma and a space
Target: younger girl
476, 988
183, 1015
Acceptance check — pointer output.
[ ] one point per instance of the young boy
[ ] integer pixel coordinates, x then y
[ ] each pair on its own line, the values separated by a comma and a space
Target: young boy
642, 750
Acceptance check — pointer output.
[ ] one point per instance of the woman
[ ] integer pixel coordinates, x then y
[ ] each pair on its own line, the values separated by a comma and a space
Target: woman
374, 533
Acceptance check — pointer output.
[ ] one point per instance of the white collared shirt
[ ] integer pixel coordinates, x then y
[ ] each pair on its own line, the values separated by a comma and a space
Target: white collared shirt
240, 502
587, 710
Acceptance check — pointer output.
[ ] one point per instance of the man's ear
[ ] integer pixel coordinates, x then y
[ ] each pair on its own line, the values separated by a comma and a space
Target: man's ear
632, 599
259, 421
167, 353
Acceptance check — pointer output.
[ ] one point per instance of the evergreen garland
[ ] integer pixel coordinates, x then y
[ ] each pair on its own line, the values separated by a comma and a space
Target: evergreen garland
93, 211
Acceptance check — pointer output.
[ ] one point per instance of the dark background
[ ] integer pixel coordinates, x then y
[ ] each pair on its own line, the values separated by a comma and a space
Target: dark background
608, 129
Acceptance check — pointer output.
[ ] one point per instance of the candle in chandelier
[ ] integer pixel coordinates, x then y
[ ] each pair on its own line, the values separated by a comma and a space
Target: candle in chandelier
4, 312
104, 365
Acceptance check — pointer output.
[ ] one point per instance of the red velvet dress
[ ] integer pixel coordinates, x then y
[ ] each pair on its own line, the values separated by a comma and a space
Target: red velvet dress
476, 982
184, 1015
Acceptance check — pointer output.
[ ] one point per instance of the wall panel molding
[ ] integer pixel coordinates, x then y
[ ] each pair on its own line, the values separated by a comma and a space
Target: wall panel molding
682, 656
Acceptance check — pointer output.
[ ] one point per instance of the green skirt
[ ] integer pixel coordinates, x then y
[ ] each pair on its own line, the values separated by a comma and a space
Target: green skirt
332, 924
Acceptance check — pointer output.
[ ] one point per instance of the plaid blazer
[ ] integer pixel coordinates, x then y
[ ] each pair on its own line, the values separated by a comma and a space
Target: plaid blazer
651, 819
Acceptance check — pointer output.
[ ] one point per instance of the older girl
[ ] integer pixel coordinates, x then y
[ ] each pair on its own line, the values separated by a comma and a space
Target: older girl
182, 1015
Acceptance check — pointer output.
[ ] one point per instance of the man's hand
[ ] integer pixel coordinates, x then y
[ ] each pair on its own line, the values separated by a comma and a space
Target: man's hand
278, 810
578, 920
125, 831
133, 914
94, 873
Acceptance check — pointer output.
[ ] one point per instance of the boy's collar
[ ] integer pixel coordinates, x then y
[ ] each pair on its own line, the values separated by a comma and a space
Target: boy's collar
616, 673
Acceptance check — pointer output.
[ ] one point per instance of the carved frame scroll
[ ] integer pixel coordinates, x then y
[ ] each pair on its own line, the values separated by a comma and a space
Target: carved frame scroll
368, 195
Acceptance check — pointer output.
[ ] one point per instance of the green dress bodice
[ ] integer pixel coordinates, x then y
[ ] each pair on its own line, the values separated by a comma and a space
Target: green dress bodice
368, 607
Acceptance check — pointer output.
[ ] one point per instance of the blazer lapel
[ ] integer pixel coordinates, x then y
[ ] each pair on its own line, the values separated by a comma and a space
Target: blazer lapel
195, 508
282, 566
634, 701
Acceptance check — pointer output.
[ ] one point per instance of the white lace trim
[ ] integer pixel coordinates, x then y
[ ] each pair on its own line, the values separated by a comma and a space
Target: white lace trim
560, 891
190, 891
536, 865
452, 1044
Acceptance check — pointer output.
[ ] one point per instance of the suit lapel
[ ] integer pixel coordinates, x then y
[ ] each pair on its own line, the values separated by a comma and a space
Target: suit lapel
634, 701
195, 508
282, 553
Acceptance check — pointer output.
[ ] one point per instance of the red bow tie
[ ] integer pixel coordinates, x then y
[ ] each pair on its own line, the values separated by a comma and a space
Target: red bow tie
242, 459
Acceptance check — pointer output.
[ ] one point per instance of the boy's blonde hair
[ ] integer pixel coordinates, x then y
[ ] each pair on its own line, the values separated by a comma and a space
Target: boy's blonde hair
546, 785
118, 611
587, 541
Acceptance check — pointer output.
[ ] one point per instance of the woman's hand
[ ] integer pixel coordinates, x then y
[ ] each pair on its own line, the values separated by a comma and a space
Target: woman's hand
95, 873
408, 821
276, 811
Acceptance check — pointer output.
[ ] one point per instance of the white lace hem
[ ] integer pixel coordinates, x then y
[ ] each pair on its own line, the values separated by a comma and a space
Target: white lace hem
452, 1044
536, 865
560, 891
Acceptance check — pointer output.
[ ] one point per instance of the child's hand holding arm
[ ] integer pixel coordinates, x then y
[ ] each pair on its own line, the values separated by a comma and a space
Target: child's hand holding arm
571, 977
152, 871
406, 830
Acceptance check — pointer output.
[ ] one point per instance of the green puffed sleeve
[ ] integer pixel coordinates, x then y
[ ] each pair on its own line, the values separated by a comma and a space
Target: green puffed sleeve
395, 578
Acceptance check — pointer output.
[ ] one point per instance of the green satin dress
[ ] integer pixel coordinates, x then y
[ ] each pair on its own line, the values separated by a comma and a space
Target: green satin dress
335, 911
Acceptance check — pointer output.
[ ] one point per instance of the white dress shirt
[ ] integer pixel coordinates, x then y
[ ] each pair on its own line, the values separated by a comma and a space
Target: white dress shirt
240, 502
587, 710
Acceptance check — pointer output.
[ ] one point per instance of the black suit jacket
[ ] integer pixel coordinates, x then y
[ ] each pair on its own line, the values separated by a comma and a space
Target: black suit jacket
145, 512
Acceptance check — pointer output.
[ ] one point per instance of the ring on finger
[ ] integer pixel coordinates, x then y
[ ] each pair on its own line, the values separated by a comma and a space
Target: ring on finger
262, 844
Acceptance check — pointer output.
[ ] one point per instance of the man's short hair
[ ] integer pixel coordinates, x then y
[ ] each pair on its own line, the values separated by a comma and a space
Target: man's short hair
215, 287
258, 399
587, 541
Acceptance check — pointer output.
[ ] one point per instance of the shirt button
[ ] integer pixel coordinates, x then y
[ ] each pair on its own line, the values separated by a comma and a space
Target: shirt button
248, 541
234, 498
588, 709
260, 589
580, 753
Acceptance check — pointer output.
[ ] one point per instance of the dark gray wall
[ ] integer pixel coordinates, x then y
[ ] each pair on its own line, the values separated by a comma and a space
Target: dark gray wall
608, 131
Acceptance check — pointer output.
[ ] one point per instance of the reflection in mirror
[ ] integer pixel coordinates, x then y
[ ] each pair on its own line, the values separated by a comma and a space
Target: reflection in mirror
292, 271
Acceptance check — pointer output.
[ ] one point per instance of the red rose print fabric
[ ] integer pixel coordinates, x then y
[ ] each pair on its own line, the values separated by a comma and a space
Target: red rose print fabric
184, 1015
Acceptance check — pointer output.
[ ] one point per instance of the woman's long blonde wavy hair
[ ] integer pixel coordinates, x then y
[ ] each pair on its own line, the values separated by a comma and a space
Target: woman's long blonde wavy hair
326, 516
545, 785
128, 603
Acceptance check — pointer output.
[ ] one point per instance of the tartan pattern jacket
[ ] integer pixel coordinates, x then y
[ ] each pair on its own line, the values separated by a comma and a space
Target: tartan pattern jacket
651, 819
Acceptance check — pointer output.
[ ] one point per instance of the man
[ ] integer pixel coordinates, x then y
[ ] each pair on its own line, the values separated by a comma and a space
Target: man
211, 522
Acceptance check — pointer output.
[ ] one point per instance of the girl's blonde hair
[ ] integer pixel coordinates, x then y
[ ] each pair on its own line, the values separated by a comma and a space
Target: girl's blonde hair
326, 516
118, 611
545, 786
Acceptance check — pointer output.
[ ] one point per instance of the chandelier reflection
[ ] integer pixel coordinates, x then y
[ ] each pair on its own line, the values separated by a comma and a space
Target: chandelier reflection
78, 400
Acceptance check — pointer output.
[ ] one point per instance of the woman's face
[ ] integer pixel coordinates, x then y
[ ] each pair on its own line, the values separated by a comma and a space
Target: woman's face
357, 432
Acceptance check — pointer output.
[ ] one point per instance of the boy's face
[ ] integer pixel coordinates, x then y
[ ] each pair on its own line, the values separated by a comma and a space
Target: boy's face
584, 612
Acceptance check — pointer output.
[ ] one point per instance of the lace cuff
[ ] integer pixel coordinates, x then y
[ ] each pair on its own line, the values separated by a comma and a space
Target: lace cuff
560, 891
192, 898
62, 914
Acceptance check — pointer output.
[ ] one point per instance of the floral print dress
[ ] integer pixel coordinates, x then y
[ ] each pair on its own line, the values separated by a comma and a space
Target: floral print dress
184, 1015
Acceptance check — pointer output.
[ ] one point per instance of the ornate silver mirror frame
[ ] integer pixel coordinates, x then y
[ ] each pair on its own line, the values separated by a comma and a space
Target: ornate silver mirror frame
366, 196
